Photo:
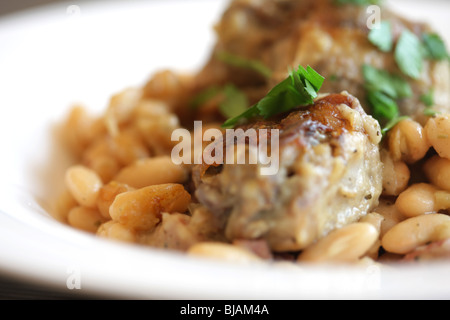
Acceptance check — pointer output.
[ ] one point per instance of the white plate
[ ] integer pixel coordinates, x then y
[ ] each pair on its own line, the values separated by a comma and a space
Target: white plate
60, 54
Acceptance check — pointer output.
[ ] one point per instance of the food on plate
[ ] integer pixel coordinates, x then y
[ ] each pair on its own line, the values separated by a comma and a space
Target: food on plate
360, 114
330, 175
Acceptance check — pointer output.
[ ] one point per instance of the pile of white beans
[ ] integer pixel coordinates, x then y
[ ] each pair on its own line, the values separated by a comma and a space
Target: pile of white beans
125, 187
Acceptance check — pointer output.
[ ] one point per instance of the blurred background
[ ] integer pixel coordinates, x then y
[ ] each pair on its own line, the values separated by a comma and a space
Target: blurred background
7, 7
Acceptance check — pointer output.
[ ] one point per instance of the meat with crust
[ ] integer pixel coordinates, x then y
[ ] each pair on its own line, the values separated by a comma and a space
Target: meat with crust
329, 176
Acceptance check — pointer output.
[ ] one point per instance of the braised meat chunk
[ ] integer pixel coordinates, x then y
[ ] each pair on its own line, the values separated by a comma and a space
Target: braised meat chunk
329, 175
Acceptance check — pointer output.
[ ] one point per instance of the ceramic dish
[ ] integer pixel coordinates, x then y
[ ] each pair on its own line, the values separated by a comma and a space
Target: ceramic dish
65, 53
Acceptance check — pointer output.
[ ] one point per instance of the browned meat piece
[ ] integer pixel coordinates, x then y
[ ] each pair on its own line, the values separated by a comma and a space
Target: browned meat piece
332, 39
329, 176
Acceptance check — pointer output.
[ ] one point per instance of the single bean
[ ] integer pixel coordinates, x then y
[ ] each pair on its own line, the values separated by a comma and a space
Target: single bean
84, 185
346, 244
115, 230
437, 170
223, 251
152, 171
141, 209
407, 141
86, 219
438, 133
396, 175
414, 232
416, 200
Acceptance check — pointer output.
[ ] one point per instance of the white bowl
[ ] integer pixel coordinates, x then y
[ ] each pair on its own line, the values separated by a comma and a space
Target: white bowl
64, 53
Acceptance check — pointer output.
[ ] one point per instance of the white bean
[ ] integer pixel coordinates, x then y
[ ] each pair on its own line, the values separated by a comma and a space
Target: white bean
414, 232
84, 184
346, 244
222, 251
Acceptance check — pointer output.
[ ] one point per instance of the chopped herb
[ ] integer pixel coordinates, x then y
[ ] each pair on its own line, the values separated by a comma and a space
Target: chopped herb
333, 77
381, 36
428, 101
430, 112
428, 98
383, 106
434, 47
299, 89
235, 102
358, 2
408, 54
241, 62
383, 90
232, 100
204, 96
392, 124
390, 84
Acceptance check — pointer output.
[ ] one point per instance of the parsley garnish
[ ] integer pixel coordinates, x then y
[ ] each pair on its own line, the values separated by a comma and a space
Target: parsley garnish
434, 46
390, 84
383, 106
232, 100
383, 91
428, 101
234, 103
205, 96
381, 36
300, 88
240, 62
408, 54
430, 112
428, 98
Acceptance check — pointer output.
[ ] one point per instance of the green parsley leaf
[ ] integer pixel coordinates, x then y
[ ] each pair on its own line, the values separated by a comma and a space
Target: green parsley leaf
390, 84
428, 98
383, 89
383, 106
392, 124
204, 96
381, 36
240, 62
434, 46
430, 112
235, 102
299, 89
333, 77
408, 54
428, 101
309, 75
